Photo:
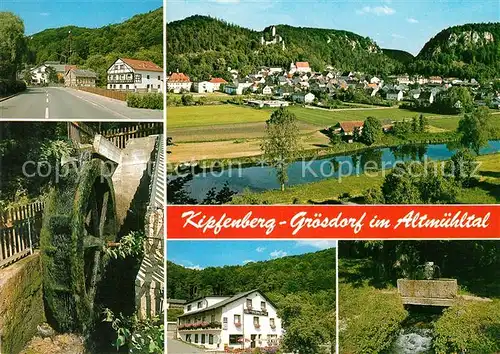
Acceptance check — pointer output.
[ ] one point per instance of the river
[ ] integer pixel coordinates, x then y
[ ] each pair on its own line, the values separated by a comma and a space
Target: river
263, 177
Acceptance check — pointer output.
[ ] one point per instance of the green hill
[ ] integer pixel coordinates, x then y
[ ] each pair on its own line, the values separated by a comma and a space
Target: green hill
311, 272
203, 46
399, 55
470, 50
140, 37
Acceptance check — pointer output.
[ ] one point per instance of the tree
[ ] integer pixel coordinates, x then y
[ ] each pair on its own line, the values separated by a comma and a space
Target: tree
282, 142
475, 129
463, 165
51, 74
372, 131
12, 45
28, 77
187, 100
416, 183
423, 123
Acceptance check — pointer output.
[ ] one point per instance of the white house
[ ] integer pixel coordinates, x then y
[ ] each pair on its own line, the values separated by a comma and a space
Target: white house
236, 89
268, 90
303, 97
203, 86
39, 73
300, 67
245, 320
135, 75
217, 81
395, 95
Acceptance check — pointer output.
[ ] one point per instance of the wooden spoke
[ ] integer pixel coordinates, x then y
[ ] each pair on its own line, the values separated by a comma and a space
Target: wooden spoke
104, 213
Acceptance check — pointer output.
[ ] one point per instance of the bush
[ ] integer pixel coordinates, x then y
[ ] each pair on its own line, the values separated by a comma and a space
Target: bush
469, 327
10, 87
145, 100
370, 319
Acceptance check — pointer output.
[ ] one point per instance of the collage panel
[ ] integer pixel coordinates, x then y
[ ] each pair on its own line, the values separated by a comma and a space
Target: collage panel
302, 108
82, 235
91, 60
251, 297
428, 297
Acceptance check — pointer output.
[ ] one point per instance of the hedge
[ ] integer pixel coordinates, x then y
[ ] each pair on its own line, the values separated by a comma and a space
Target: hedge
10, 87
147, 100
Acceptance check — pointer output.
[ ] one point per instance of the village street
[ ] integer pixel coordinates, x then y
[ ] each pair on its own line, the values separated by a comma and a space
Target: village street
178, 347
67, 103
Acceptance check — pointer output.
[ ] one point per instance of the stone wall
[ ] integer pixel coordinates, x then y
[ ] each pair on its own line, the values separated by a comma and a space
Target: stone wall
21, 303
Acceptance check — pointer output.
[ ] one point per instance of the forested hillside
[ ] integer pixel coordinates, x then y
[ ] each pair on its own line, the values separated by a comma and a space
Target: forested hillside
140, 37
399, 55
203, 47
309, 272
470, 50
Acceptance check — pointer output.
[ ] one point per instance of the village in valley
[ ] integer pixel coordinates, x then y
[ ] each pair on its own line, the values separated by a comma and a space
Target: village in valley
222, 119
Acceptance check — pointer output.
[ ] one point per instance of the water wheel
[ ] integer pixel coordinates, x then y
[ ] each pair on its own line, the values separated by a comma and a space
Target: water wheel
79, 223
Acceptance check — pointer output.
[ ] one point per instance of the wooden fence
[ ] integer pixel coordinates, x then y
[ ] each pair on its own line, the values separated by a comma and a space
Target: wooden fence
121, 136
19, 232
117, 95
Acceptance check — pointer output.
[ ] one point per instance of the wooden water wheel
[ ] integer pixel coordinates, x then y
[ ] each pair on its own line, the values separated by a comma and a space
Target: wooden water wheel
79, 223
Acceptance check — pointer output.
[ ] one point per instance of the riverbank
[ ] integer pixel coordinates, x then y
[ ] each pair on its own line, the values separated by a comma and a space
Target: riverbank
333, 190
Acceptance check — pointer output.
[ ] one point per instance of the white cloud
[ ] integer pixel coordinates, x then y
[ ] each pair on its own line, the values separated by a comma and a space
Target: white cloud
260, 249
195, 267
377, 10
394, 35
44, 13
248, 261
320, 244
278, 254
411, 20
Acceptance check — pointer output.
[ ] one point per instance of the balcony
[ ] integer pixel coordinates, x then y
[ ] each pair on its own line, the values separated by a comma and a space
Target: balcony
200, 325
120, 81
251, 311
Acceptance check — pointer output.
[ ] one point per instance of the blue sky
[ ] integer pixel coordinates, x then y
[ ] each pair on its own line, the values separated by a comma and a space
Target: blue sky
202, 254
397, 24
42, 14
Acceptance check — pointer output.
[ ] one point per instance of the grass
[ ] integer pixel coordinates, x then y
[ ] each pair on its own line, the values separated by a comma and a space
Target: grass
328, 191
369, 318
198, 116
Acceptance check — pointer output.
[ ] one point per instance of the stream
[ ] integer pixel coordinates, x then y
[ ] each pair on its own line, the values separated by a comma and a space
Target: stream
261, 178
416, 333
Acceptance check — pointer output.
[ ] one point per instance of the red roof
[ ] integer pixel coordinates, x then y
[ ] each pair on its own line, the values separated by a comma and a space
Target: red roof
142, 65
348, 127
69, 67
218, 80
302, 64
179, 77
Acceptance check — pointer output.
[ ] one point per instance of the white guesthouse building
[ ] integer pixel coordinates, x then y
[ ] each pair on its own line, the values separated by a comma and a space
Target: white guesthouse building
245, 320
135, 75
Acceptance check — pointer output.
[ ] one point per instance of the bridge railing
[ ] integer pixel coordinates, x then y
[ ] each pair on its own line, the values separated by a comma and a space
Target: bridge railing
121, 136
19, 232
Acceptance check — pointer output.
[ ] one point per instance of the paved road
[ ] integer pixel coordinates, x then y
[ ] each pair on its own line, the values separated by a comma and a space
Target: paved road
71, 104
178, 347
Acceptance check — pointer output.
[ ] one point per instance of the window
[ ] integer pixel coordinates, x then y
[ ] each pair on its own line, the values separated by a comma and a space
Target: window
202, 339
249, 303
126, 87
147, 77
196, 338
138, 78
224, 323
210, 339
237, 320
256, 322
271, 323
121, 86
159, 77
235, 338
199, 302
263, 305
189, 307
188, 338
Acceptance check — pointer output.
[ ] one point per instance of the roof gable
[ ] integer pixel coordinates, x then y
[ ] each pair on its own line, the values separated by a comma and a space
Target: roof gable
143, 65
